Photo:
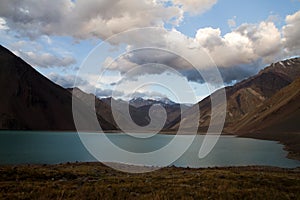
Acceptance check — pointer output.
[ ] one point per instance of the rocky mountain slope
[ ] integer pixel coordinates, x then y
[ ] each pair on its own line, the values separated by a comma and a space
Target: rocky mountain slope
247, 95
280, 113
276, 119
30, 101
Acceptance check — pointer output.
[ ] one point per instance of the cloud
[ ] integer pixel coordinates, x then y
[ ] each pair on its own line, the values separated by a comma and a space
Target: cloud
209, 38
195, 6
245, 49
146, 94
291, 33
85, 18
40, 53
231, 22
108, 93
45, 60
246, 44
68, 81
3, 25
150, 61
228, 74
239, 49
238, 54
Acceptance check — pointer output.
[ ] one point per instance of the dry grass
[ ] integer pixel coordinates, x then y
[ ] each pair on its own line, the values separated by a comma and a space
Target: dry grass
95, 181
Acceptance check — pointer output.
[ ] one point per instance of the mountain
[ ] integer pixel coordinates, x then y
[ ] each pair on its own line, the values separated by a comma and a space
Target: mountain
173, 110
29, 101
280, 113
276, 119
247, 95
139, 110
140, 102
101, 108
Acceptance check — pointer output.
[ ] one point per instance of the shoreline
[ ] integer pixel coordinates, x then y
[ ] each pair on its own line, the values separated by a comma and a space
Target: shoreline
290, 141
124, 166
103, 165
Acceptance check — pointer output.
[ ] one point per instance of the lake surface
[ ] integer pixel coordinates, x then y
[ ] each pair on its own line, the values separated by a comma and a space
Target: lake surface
18, 147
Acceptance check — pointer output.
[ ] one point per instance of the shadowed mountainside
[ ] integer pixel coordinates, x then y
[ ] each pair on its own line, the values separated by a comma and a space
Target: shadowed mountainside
29, 101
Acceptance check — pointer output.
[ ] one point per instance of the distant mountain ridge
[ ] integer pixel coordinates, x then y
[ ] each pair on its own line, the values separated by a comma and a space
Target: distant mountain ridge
139, 102
138, 108
103, 108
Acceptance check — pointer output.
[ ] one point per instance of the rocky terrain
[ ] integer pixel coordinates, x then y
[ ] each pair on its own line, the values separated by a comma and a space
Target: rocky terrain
247, 95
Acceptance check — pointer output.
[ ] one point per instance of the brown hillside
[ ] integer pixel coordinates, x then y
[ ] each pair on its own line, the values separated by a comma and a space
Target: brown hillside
32, 102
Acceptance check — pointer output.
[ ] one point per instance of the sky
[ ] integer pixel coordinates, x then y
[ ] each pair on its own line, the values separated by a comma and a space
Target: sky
150, 48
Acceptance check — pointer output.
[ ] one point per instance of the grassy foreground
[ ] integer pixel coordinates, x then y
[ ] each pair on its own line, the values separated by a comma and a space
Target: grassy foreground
95, 181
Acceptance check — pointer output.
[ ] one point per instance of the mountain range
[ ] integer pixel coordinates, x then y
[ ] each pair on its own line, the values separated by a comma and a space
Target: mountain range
264, 106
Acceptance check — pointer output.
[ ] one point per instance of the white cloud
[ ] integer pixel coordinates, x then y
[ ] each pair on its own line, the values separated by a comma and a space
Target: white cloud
244, 45
231, 22
112, 64
195, 6
209, 37
266, 40
3, 25
247, 44
291, 33
37, 54
82, 19
71, 81
45, 60
67, 81
85, 18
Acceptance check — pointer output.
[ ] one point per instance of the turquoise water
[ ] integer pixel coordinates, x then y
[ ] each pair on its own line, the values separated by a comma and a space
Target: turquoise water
18, 147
